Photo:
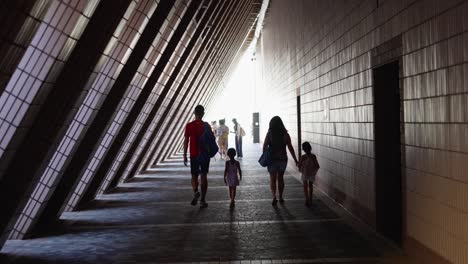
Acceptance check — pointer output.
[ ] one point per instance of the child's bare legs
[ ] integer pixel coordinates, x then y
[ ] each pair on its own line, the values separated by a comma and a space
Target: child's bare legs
281, 186
311, 191
306, 192
234, 193
222, 149
224, 152
273, 177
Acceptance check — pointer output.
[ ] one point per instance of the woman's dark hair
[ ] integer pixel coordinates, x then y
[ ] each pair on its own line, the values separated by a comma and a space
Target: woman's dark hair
231, 153
277, 130
222, 121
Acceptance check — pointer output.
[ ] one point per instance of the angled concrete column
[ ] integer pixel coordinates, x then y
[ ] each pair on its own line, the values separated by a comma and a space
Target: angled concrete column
164, 133
141, 77
171, 147
134, 125
162, 98
124, 171
19, 21
22, 169
176, 133
104, 74
105, 166
214, 55
95, 132
211, 82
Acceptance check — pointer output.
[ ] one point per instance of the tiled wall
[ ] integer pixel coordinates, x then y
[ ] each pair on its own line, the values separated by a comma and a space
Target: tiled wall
79, 84
18, 24
324, 51
37, 70
137, 85
49, 49
151, 103
204, 86
131, 32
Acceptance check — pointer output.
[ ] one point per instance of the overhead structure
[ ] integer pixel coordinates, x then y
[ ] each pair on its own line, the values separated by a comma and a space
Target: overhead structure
93, 92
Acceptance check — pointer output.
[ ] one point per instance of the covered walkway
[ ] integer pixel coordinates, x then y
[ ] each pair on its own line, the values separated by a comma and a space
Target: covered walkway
95, 96
150, 220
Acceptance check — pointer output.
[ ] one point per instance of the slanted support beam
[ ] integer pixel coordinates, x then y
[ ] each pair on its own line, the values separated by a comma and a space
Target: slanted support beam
46, 125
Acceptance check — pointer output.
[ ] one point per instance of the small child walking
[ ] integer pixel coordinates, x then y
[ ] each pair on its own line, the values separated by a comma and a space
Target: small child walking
308, 165
231, 173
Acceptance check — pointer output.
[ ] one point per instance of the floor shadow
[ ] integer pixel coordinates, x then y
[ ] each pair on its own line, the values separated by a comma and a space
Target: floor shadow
11, 259
282, 208
233, 235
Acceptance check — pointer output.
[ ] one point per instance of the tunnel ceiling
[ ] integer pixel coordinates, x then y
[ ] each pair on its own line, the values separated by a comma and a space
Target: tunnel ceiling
93, 92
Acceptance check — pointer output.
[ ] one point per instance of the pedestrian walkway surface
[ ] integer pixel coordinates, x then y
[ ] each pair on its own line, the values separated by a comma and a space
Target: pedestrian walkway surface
149, 219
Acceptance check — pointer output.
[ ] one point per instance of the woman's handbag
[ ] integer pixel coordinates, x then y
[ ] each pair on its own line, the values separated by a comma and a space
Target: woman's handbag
265, 159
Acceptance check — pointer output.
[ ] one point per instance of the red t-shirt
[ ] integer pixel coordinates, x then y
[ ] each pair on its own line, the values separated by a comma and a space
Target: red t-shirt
194, 130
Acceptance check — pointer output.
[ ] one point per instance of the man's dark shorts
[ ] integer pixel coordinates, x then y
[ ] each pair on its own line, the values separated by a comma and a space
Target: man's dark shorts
199, 168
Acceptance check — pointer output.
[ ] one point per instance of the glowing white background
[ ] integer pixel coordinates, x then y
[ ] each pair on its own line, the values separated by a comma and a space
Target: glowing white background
238, 99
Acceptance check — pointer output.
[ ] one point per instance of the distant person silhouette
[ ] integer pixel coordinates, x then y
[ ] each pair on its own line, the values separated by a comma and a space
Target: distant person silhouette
193, 134
223, 134
239, 131
277, 139
214, 128
232, 175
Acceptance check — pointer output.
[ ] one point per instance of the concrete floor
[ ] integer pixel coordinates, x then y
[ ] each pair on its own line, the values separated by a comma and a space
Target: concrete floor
150, 220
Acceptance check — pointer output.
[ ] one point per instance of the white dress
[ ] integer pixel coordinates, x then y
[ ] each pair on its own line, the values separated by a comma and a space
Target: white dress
309, 167
231, 177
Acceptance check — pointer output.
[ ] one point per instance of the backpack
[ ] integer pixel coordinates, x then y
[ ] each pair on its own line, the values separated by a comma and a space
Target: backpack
242, 132
208, 146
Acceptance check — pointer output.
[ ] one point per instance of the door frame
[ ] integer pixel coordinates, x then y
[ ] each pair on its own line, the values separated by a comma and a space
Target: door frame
388, 52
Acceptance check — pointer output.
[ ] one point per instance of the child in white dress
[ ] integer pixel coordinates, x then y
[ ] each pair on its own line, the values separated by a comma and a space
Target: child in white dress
232, 174
308, 165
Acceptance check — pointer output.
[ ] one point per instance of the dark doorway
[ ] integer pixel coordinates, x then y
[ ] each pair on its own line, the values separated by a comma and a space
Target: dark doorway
388, 179
299, 137
256, 127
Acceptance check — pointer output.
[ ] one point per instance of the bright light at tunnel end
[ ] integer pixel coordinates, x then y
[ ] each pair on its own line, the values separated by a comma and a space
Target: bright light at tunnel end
243, 94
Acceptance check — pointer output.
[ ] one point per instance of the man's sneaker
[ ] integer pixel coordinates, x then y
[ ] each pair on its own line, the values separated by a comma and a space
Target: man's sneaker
203, 204
195, 198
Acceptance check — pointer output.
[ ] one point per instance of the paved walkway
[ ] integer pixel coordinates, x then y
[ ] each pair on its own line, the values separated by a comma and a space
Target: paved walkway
150, 220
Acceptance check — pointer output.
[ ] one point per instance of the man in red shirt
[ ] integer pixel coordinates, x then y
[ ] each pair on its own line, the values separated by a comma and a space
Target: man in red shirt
193, 132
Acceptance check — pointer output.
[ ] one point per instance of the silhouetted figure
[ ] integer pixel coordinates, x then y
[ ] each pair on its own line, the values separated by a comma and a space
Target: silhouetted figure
214, 128
232, 175
308, 165
239, 131
223, 134
277, 139
193, 134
